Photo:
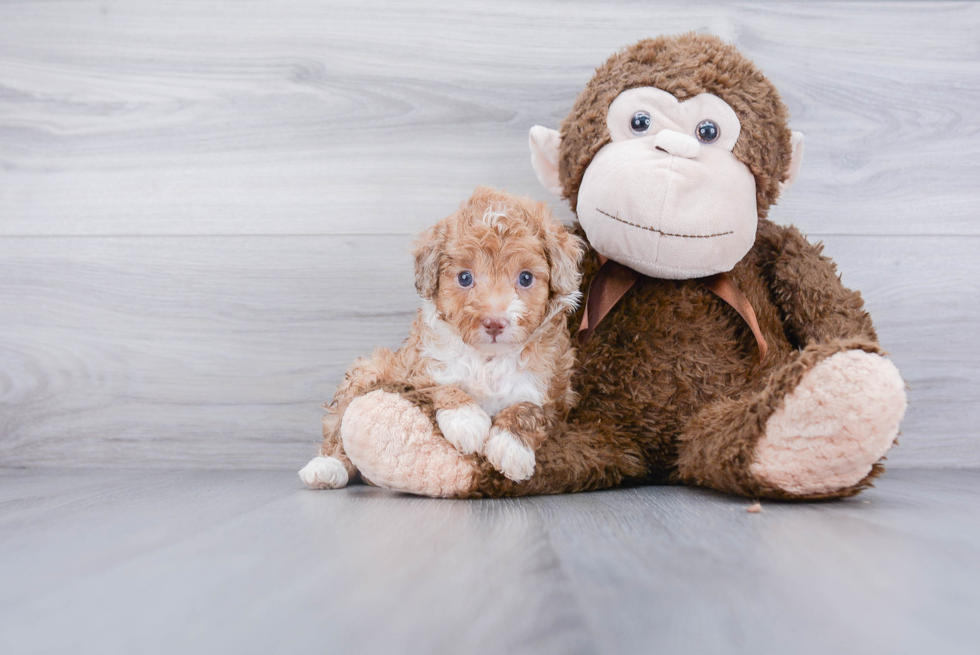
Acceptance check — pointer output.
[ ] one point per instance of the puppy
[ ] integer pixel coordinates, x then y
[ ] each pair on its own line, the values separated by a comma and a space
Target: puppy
490, 349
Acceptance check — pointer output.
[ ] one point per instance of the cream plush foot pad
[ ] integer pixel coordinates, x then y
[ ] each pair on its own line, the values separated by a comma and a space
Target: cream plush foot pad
324, 473
394, 445
840, 420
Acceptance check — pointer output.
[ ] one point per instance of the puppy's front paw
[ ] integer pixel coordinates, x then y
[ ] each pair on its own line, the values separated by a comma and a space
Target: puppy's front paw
508, 455
324, 473
465, 427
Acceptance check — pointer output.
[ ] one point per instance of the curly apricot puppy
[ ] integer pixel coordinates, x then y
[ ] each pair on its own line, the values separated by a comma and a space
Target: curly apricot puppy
490, 347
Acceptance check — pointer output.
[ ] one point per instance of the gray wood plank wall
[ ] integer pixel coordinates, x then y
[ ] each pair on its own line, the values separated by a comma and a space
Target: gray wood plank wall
206, 207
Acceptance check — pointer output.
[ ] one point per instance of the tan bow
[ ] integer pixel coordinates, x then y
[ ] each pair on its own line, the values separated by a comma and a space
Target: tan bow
613, 281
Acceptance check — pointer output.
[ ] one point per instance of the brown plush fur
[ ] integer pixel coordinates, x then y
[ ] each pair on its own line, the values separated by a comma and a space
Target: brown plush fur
493, 237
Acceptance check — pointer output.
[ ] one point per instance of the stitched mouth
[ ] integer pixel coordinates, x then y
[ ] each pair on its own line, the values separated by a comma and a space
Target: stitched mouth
666, 234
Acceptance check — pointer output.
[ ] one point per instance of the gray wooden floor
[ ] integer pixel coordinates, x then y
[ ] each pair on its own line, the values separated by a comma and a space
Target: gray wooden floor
249, 562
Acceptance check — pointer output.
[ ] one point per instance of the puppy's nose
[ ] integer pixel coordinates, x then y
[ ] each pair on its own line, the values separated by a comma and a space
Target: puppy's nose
494, 326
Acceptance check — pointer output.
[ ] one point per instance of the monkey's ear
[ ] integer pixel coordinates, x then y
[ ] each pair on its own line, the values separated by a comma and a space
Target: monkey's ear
544, 144
796, 143
427, 260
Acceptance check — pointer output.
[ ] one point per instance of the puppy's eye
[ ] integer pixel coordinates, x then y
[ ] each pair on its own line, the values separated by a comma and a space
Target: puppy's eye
708, 132
640, 122
525, 279
465, 279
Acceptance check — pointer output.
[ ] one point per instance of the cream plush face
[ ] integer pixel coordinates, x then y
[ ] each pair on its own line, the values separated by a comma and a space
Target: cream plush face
666, 196
661, 198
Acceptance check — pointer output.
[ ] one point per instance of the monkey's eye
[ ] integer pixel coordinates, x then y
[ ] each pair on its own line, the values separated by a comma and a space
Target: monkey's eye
708, 132
525, 279
465, 279
640, 122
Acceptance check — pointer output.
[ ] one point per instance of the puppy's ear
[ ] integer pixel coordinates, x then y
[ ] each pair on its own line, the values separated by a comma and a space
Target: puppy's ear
428, 257
564, 252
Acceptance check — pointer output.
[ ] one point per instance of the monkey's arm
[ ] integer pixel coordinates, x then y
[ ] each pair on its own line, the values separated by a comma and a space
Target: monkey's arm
816, 307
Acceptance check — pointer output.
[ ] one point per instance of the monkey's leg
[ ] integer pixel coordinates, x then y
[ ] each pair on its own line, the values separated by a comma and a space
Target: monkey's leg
394, 443
582, 454
818, 430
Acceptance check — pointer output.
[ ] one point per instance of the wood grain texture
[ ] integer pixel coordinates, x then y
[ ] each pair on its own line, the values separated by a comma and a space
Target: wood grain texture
249, 562
171, 351
216, 352
307, 117
205, 206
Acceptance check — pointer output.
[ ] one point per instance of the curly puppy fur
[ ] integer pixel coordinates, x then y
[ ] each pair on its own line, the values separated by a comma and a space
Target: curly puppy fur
486, 345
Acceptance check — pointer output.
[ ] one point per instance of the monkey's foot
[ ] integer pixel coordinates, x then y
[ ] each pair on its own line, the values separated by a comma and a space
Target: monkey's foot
394, 445
832, 428
324, 473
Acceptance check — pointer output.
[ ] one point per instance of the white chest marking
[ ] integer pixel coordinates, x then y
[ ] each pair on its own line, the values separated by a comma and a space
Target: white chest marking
493, 382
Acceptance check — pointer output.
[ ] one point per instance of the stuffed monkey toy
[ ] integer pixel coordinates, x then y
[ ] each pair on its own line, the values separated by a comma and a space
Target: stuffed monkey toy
715, 348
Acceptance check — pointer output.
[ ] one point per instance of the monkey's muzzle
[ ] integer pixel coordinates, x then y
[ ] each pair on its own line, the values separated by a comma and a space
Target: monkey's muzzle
675, 216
